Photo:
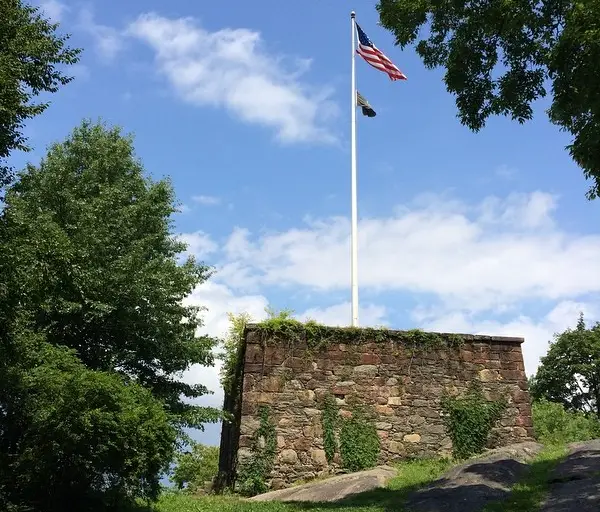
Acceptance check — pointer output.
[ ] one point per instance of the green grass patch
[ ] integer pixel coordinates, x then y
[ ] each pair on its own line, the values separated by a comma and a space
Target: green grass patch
411, 476
530, 493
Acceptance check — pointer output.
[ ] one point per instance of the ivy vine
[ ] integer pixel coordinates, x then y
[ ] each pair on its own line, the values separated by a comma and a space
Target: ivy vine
254, 471
469, 420
359, 444
329, 419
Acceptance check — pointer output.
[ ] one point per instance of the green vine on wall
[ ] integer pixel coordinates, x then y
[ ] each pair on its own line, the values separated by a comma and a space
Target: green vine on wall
469, 420
254, 471
329, 419
317, 336
359, 444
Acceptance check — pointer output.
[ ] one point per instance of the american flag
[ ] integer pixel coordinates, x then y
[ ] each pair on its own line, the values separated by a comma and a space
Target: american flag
368, 51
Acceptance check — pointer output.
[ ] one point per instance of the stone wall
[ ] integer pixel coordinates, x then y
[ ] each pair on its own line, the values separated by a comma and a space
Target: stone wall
402, 384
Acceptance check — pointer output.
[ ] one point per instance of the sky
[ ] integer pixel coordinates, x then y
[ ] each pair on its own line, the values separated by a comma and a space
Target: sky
248, 113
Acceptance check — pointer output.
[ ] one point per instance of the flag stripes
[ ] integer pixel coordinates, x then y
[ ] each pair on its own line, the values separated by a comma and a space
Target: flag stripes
375, 57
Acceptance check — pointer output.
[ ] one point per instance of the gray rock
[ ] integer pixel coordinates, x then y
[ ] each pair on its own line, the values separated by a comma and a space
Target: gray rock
335, 488
575, 482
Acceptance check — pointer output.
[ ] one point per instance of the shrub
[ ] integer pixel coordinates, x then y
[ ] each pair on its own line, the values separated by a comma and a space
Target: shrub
469, 420
359, 442
195, 467
555, 425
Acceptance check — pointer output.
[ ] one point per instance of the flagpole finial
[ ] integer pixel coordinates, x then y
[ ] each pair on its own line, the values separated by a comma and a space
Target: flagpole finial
353, 14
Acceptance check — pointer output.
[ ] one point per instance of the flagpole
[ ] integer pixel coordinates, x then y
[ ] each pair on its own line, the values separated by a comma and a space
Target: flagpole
354, 217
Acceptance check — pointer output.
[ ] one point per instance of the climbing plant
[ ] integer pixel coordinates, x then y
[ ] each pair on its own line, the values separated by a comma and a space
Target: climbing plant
359, 442
254, 471
329, 422
469, 420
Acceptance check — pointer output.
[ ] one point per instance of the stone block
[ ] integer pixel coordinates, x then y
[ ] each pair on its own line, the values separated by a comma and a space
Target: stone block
412, 438
288, 457
319, 457
394, 400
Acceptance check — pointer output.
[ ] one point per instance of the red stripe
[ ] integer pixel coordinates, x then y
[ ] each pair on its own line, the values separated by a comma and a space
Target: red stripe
378, 60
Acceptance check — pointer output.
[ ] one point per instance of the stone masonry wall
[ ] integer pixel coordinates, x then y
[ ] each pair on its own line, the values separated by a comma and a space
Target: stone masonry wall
403, 387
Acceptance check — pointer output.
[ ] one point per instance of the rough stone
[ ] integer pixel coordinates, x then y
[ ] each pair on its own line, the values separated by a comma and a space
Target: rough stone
319, 457
288, 457
412, 438
402, 389
333, 489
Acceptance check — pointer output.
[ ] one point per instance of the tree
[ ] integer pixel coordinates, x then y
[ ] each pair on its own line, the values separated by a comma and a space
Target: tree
502, 55
569, 374
31, 54
196, 466
93, 261
73, 438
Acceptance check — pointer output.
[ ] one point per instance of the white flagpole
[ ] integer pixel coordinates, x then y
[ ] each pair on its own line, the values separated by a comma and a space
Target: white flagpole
354, 218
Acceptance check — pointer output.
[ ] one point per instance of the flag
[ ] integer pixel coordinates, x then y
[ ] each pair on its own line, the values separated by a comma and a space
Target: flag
367, 109
368, 51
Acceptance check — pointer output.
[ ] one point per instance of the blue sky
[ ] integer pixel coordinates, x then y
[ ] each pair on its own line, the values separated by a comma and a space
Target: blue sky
248, 113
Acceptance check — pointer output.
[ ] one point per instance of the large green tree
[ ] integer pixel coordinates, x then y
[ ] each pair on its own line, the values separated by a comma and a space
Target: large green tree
569, 374
31, 57
500, 56
93, 261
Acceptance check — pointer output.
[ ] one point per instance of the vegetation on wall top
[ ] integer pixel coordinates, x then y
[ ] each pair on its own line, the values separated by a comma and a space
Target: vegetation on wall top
283, 327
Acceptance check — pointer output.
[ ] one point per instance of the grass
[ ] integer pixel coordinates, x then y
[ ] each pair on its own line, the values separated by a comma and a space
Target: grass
530, 493
411, 475
527, 495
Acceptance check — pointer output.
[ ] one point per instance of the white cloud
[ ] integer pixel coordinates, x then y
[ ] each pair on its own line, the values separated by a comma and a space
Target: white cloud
537, 333
473, 267
371, 315
53, 9
207, 200
230, 68
481, 257
199, 243
108, 40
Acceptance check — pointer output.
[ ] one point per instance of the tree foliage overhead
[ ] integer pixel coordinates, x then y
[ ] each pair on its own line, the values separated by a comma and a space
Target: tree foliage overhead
502, 55
569, 373
31, 56
96, 266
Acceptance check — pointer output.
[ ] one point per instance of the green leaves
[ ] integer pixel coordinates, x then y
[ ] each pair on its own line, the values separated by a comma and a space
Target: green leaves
359, 442
470, 419
569, 374
501, 55
31, 55
97, 439
195, 467
97, 263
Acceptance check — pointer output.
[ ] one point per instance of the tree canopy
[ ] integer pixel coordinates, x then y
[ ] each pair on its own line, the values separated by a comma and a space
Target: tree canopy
97, 267
31, 56
500, 56
95, 331
569, 374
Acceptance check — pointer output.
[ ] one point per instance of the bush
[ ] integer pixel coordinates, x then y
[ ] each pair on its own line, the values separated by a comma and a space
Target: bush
555, 425
78, 439
359, 442
469, 421
195, 467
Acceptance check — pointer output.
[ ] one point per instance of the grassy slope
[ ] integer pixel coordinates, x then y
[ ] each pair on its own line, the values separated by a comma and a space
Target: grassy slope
525, 496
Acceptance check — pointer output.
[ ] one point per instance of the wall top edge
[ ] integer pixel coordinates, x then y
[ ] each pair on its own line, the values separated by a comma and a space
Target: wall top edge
474, 338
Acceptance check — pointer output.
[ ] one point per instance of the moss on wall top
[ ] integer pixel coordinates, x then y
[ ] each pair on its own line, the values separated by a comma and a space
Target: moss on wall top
316, 336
